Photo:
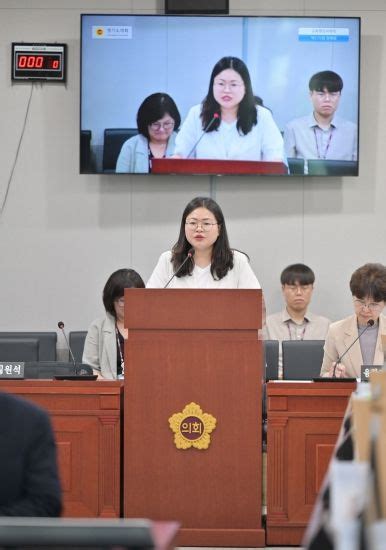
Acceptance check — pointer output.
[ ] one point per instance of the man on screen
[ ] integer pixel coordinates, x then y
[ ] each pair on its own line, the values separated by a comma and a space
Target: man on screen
322, 134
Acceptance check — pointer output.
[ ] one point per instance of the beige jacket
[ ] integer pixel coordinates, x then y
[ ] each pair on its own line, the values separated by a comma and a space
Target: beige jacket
100, 347
340, 336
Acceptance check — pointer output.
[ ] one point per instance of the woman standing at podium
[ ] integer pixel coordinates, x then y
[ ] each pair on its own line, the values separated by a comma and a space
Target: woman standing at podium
104, 345
202, 257
229, 123
356, 340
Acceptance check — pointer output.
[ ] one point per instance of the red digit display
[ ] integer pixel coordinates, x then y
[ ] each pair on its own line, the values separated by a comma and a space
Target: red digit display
38, 61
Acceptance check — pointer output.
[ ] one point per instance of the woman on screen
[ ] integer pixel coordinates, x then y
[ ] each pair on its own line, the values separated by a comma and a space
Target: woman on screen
365, 327
230, 124
158, 120
202, 257
104, 345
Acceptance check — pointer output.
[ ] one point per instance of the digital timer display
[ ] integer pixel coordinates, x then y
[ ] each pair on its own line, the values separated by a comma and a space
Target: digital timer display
38, 62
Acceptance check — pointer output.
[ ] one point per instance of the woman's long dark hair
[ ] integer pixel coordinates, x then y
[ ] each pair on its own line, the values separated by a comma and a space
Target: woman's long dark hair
247, 112
222, 255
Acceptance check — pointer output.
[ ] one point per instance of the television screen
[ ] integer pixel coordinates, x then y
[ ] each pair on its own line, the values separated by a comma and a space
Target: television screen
183, 94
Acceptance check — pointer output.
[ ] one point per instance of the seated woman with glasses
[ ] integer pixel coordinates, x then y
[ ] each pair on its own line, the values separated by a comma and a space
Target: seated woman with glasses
158, 120
202, 257
104, 346
230, 123
368, 288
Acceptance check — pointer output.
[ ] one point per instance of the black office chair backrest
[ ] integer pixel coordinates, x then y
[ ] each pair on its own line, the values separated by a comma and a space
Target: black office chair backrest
271, 359
49, 369
19, 349
76, 340
47, 342
295, 166
113, 140
302, 359
330, 167
85, 151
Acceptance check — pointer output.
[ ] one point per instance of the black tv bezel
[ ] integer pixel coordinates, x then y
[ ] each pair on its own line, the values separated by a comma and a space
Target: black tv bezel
184, 10
211, 15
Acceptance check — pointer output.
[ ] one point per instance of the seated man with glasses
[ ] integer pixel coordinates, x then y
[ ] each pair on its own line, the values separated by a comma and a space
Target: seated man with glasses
295, 322
368, 288
322, 134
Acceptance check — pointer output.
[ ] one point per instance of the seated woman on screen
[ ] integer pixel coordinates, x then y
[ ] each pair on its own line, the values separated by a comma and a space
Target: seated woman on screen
158, 120
368, 288
104, 345
230, 124
202, 257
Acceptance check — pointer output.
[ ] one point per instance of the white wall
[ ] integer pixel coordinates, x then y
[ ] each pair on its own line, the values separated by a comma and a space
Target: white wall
62, 234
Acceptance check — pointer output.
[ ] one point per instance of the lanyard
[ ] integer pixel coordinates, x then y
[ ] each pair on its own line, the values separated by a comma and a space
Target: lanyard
324, 153
301, 335
120, 350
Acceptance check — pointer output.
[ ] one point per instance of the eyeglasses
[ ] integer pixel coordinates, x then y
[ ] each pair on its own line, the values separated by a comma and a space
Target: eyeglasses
301, 288
206, 226
222, 84
360, 304
119, 301
164, 125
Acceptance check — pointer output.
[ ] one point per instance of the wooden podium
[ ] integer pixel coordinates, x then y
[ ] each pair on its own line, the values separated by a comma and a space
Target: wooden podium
304, 420
217, 167
183, 347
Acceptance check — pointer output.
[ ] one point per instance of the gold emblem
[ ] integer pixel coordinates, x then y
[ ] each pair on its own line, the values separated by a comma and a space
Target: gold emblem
192, 427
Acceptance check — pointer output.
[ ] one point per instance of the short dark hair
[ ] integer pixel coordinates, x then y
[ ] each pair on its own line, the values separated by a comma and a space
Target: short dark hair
222, 255
247, 112
154, 107
325, 80
369, 281
116, 284
297, 273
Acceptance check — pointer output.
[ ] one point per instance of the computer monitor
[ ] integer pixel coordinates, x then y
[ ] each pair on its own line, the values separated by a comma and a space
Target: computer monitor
302, 359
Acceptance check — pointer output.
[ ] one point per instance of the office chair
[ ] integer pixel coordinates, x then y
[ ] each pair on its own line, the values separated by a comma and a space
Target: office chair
19, 349
296, 166
85, 151
302, 359
113, 140
76, 340
47, 342
330, 167
271, 359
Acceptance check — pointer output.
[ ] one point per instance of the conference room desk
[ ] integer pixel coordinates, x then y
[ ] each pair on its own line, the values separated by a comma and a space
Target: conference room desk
86, 418
303, 422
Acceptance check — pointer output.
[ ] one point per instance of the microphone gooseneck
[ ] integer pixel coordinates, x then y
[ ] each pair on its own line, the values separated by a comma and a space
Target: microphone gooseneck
214, 117
61, 326
369, 324
189, 255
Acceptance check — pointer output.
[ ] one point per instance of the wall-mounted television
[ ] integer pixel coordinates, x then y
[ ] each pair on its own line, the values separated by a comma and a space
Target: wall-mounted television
183, 94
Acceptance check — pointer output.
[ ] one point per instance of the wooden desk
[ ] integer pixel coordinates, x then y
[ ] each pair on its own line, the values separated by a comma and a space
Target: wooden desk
86, 417
304, 420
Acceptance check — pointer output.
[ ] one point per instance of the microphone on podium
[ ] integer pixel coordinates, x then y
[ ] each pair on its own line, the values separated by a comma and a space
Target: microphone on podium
189, 255
61, 326
369, 324
214, 117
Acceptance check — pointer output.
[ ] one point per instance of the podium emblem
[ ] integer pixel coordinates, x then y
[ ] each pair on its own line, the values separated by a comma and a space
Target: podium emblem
192, 427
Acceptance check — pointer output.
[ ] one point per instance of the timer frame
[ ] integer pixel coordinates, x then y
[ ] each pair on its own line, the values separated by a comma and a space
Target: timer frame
38, 57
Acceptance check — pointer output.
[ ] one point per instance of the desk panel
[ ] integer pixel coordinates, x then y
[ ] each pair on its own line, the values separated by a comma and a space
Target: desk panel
86, 417
304, 419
